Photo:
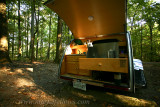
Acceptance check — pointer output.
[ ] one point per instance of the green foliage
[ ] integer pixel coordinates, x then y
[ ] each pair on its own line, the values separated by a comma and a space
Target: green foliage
25, 20
144, 25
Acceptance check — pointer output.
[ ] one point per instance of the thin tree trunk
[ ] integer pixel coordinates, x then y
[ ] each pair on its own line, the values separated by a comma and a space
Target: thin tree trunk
135, 51
24, 37
132, 23
41, 43
42, 50
41, 46
13, 39
27, 37
37, 34
4, 56
25, 30
141, 41
48, 53
19, 32
22, 47
8, 33
32, 31
58, 43
151, 43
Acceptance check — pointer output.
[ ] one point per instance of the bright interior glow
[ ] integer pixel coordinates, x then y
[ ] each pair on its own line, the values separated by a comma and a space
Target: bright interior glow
68, 51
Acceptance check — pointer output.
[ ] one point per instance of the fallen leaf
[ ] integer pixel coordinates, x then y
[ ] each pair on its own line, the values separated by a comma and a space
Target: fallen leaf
42, 93
33, 98
19, 92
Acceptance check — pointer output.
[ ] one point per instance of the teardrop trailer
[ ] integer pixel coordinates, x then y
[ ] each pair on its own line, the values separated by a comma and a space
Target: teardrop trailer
101, 52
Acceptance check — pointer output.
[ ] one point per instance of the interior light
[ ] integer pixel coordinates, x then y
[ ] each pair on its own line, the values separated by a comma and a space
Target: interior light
90, 18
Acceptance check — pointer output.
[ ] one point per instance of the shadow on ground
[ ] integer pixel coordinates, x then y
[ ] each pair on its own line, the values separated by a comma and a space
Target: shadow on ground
37, 84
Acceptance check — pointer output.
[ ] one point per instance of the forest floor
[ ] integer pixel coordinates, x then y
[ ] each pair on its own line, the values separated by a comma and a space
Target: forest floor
25, 85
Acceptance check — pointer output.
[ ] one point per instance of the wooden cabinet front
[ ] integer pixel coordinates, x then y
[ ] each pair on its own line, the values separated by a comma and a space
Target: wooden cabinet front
72, 65
104, 64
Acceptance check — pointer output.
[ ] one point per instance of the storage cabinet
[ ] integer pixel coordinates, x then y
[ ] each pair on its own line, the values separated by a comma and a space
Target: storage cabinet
119, 65
72, 65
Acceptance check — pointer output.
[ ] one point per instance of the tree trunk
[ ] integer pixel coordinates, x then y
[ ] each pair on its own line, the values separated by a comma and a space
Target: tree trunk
22, 48
151, 43
141, 41
48, 53
41, 43
37, 34
132, 23
19, 32
25, 30
58, 43
41, 47
133, 19
32, 30
4, 56
13, 38
8, 33
23, 37
27, 37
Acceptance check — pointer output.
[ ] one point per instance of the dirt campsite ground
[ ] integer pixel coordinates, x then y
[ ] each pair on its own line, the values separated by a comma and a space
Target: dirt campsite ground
37, 85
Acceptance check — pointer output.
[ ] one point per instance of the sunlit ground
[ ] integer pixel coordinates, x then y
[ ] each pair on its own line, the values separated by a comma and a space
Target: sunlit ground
19, 88
38, 84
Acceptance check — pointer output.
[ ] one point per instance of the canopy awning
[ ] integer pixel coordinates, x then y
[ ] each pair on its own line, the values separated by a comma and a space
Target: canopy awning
89, 18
